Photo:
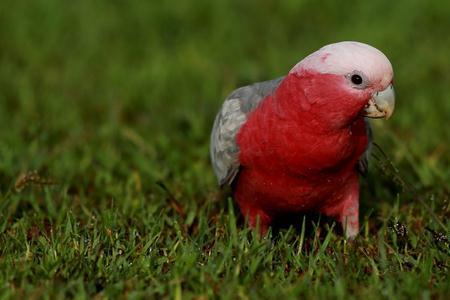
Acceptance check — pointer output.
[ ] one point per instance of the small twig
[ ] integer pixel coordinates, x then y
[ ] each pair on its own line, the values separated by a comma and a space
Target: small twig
174, 203
32, 178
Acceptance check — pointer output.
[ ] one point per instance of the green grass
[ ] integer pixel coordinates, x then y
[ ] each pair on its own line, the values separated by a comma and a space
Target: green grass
111, 102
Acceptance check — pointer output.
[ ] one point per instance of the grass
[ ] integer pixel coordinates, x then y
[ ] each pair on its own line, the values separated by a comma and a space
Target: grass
106, 190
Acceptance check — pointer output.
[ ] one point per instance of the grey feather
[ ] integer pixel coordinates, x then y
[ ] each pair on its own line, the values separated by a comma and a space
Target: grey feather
363, 163
233, 114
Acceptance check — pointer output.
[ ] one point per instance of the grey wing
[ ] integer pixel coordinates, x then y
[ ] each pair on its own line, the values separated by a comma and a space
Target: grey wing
363, 163
233, 114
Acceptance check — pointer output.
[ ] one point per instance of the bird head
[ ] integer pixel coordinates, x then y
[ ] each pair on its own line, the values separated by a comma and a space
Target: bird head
344, 80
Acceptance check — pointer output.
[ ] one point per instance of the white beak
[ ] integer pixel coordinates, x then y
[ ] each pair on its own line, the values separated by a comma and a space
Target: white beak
381, 105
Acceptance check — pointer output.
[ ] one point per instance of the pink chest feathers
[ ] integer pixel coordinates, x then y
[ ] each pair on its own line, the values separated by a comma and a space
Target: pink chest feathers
289, 167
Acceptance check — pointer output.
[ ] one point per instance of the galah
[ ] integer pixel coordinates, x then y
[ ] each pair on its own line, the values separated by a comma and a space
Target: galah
297, 143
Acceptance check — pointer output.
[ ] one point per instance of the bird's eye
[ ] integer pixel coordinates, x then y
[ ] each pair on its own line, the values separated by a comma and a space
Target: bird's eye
357, 79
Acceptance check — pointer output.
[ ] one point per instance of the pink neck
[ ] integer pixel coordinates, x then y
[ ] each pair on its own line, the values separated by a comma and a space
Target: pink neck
313, 102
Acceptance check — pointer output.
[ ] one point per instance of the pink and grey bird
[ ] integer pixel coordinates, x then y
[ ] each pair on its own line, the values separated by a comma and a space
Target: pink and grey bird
297, 143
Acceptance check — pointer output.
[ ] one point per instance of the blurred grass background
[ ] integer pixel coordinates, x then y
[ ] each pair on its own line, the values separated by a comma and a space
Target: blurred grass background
109, 98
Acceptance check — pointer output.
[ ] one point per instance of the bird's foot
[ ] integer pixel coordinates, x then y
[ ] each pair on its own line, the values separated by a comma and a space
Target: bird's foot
257, 219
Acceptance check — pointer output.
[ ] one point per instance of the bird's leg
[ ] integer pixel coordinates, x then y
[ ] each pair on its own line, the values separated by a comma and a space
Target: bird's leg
349, 219
346, 211
257, 218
